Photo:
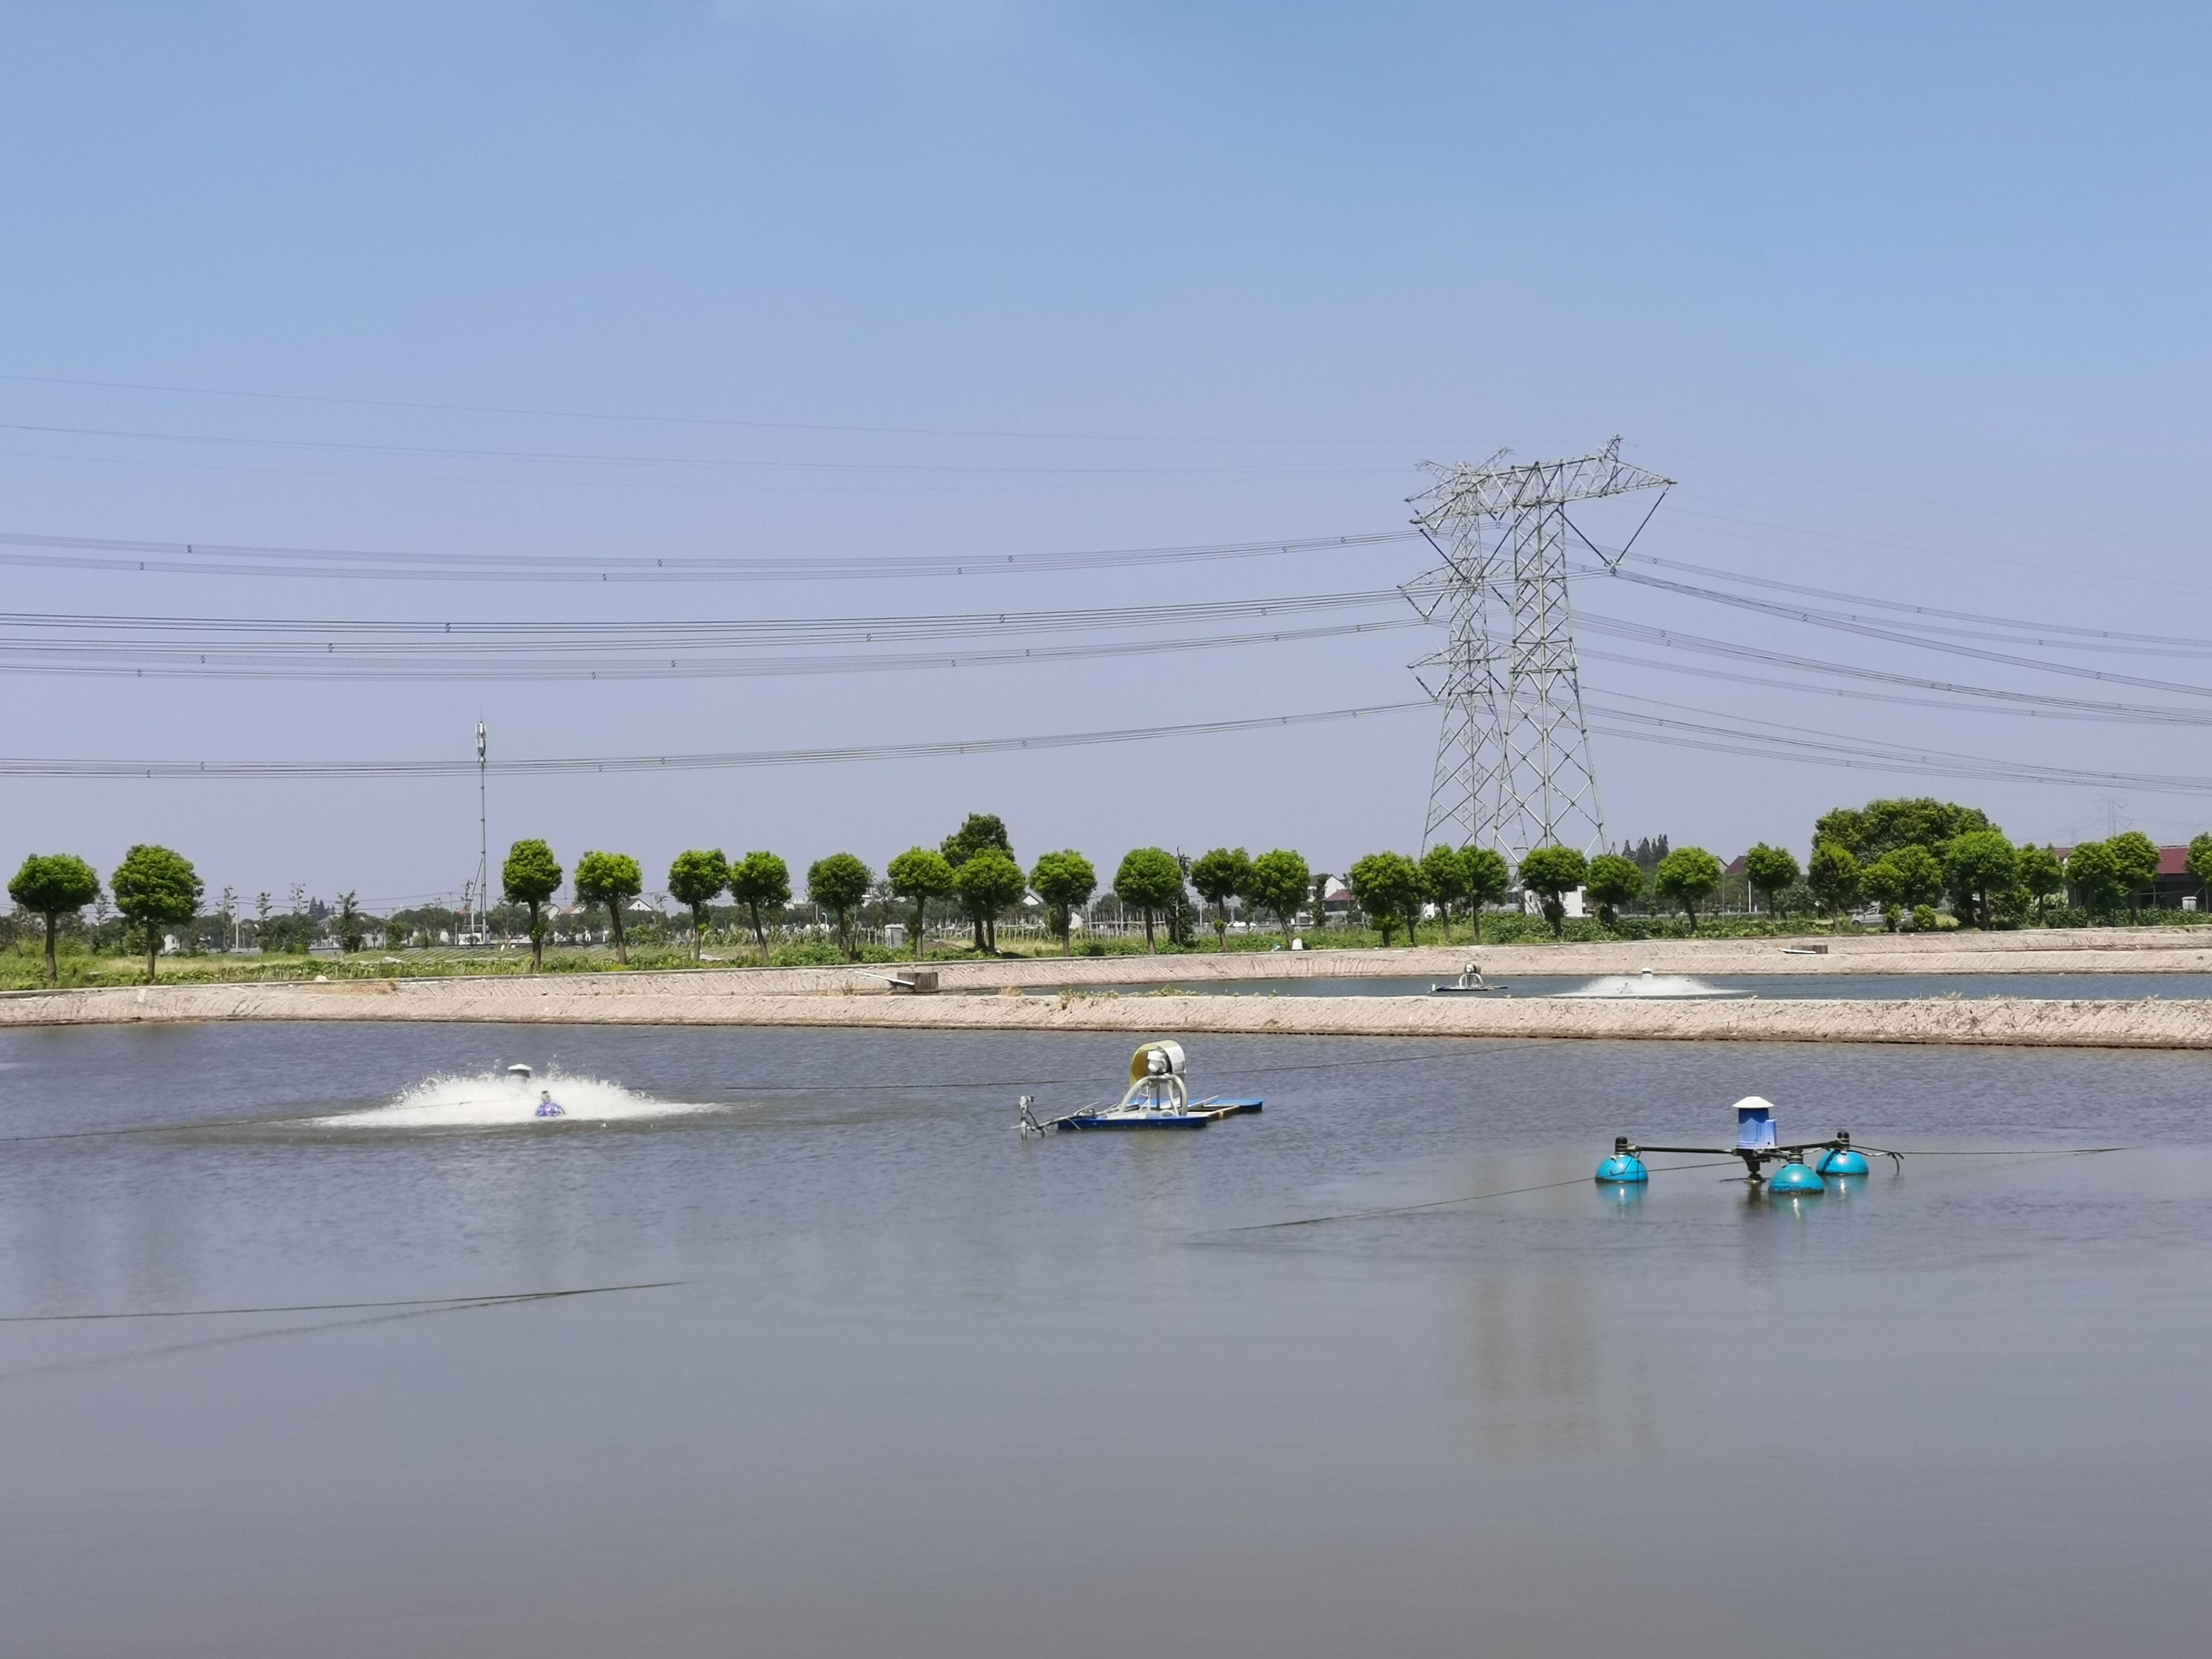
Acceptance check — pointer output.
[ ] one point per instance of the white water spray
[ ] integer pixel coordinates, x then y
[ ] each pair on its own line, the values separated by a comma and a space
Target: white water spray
504, 1099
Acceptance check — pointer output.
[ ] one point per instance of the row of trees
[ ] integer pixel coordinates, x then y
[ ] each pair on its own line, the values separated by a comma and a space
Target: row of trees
1396, 890
1904, 855
154, 889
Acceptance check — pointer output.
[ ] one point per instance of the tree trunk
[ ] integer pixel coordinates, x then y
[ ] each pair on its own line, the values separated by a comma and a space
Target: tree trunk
698, 928
53, 972
1284, 916
1477, 908
152, 949
991, 933
614, 921
760, 935
536, 939
918, 905
976, 917
1150, 945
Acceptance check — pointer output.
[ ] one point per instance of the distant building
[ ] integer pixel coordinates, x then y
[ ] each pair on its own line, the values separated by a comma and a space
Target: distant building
2173, 888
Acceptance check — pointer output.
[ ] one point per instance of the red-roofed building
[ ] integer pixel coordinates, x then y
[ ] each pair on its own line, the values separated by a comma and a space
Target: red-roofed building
2174, 888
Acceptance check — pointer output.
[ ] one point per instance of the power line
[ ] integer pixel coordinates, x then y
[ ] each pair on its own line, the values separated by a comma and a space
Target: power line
1770, 583
48, 768
2052, 636
2058, 709
1855, 754
366, 636
1896, 636
183, 663
221, 559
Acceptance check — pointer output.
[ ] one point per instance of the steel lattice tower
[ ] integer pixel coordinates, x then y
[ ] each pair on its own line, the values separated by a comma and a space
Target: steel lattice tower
1513, 768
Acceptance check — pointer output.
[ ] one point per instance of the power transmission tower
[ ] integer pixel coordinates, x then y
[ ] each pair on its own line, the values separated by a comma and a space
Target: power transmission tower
1513, 768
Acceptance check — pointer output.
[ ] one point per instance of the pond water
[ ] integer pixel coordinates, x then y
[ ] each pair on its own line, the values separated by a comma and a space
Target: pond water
2088, 987
919, 1388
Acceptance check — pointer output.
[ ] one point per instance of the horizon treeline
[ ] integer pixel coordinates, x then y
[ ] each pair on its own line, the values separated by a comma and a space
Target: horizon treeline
1903, 857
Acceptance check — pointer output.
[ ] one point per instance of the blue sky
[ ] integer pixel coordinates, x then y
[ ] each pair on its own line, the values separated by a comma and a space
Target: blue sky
1910, 299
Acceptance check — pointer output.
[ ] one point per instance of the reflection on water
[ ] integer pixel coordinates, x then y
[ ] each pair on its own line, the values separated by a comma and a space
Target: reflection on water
1544, 1386
927, 1388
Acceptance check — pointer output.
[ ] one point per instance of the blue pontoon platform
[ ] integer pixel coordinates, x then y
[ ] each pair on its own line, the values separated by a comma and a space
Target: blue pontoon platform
1158, 1099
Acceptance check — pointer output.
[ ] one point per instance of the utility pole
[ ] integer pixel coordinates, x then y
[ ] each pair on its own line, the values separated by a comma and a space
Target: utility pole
1513, 767
483, 919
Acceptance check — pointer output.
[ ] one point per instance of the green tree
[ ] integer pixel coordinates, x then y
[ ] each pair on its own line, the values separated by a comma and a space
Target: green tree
2094, 873
347, 924
1920, 875
1149, 880
987, 883
1771, 871
1980, 863
531, 876
760, 880
1065, 881
1687, 877
1613, 881
2199, 866
1220, 876
612, 879
1551, 873
839, 883
695, 880
2040, 876
1181, 916
1319, 887
1489, 879
1388, 886
920, 875
1278, 884
1883, 826
154, 889
979, 832
1834, 874
2137, 855
53, 885
1882, 882
1443, 873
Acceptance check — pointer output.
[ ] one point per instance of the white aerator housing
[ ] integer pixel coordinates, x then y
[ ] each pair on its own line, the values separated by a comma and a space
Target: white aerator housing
1755, 1125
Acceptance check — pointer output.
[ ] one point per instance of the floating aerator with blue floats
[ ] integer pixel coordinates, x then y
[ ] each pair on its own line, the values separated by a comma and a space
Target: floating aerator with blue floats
1158, 1099
1758, 1144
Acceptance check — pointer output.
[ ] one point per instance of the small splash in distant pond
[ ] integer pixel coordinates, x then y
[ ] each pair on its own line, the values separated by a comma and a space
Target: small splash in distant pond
494, 1100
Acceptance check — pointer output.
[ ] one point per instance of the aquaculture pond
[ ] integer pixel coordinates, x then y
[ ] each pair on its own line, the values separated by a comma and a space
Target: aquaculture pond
785, 1343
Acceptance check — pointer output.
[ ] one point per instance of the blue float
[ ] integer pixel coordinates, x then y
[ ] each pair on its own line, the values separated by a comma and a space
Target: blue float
1841, 1161
1624, 1168
1794, 1180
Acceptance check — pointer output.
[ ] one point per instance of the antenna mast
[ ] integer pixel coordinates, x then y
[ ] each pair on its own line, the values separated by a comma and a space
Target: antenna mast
483, 919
